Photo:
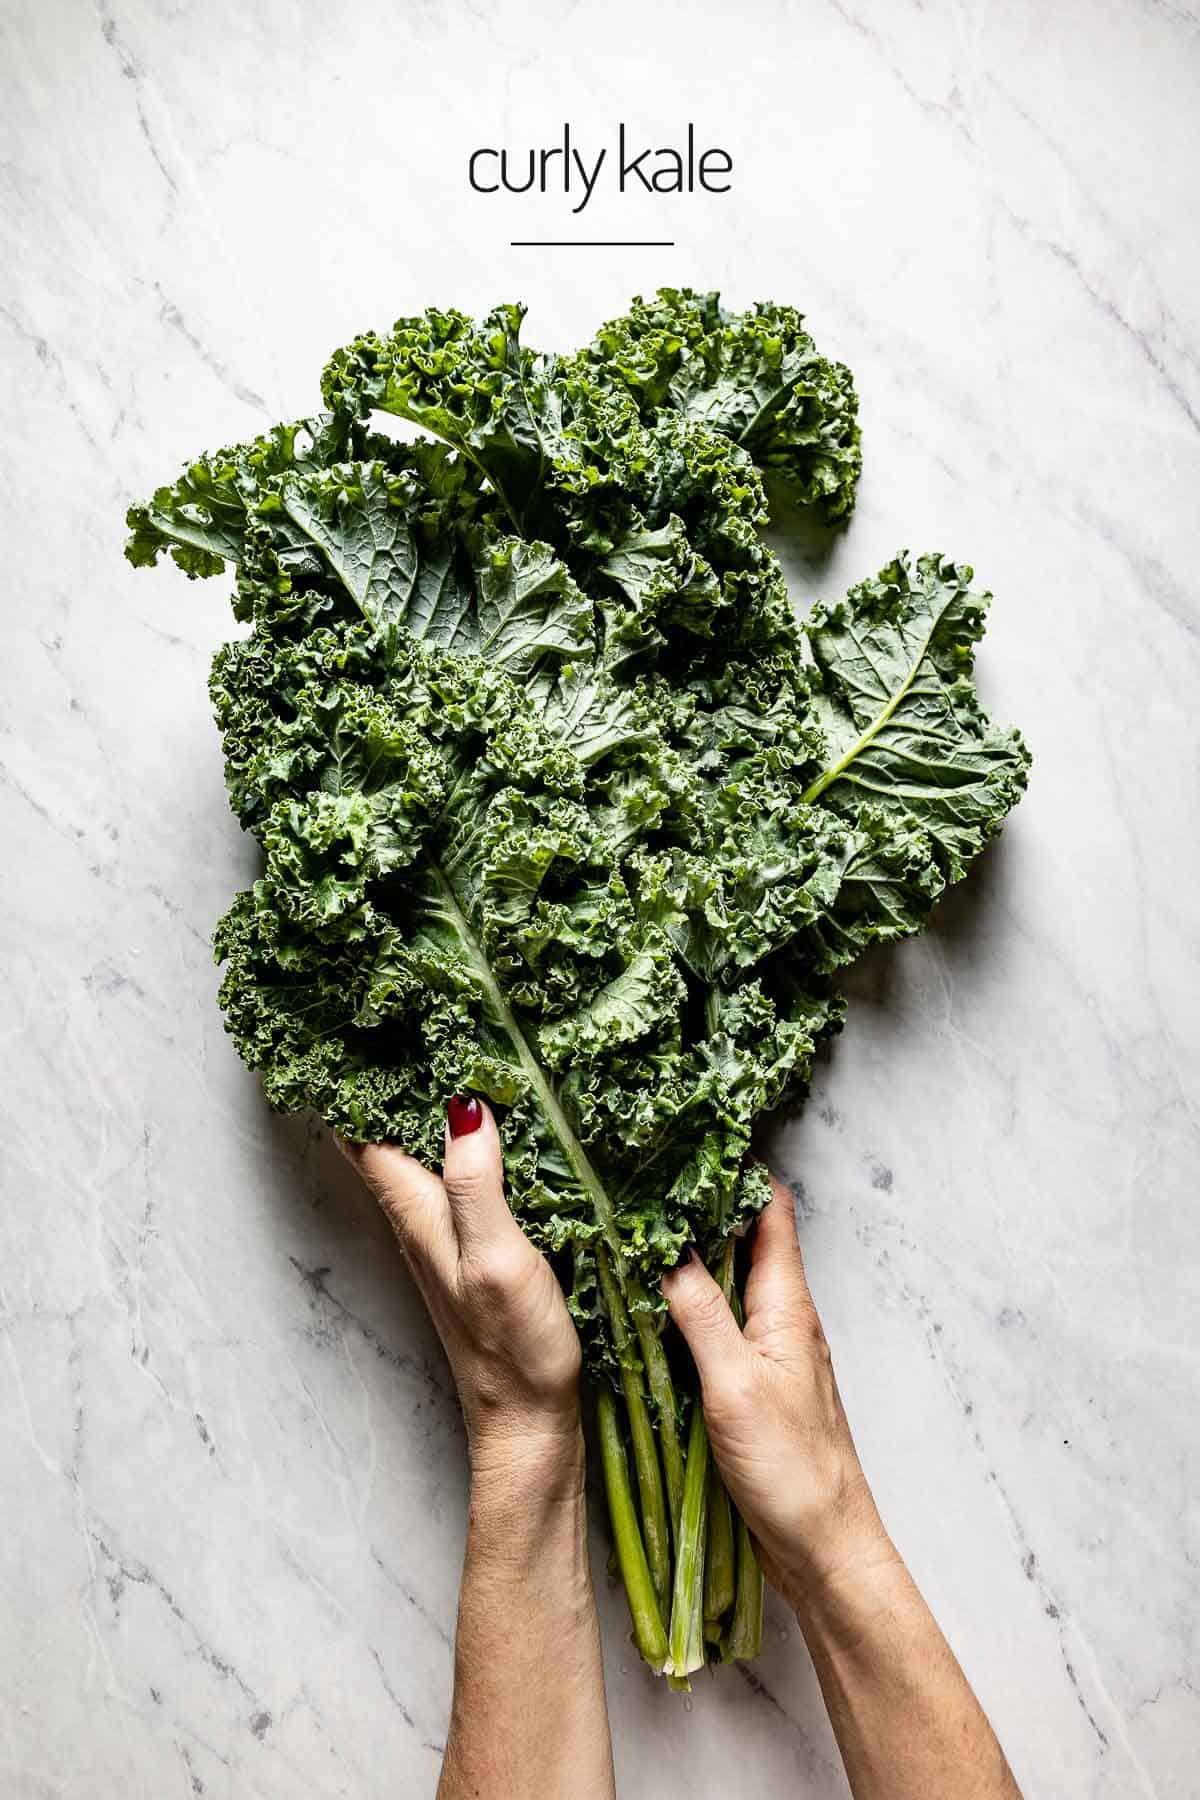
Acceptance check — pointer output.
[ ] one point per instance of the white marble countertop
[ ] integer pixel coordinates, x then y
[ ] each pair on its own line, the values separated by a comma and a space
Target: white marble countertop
232, 1477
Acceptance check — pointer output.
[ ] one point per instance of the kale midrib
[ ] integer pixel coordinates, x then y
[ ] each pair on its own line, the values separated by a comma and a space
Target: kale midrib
867, 737
456, 918
539, 1081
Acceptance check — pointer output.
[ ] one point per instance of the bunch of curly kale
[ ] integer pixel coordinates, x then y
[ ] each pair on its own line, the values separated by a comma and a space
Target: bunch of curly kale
558, 804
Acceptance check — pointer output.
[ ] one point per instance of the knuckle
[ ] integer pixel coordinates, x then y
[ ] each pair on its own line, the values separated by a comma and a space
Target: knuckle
467, 1185
706, 1311
496, 1274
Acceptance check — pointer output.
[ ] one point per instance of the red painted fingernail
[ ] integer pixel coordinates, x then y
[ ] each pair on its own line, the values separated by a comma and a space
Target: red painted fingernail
463, 1114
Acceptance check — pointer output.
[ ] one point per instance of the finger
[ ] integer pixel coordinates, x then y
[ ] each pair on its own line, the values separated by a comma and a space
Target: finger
412, 1198
701, 1311
776, 1263
474, 1178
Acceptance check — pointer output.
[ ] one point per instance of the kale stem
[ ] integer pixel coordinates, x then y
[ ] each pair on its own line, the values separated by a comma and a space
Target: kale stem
649, 1633
662, 1392
719, 1557
656, 1532
686, 1641
719, 1549
743, 1640
653, 1354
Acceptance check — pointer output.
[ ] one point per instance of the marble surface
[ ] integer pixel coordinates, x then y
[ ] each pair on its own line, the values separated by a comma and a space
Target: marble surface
231, 1485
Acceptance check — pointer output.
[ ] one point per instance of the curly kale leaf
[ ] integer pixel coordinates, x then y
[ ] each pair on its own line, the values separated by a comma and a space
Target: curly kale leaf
474, 385
912, 759
755, 378
203, 519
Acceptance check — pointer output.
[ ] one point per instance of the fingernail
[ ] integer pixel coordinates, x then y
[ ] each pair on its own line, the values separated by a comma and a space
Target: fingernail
684, 1257
463, 1114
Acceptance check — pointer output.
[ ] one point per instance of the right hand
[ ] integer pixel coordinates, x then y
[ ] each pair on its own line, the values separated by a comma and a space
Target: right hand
775, 1419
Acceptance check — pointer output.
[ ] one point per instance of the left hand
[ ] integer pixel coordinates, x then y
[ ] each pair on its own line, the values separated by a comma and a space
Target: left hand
497, 1306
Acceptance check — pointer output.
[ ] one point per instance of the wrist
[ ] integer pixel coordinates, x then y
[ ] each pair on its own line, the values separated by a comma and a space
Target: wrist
859, 1581
844, 1550
527, 1497
526, 1456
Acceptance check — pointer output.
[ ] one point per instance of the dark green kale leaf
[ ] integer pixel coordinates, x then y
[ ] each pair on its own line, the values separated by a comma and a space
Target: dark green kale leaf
755, 378
912, 760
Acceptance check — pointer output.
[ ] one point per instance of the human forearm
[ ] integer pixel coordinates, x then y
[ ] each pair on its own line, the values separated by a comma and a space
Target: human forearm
907, 1723
906, 1720
528, 1716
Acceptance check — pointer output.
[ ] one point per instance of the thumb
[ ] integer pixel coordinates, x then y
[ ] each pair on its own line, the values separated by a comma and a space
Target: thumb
474, 1178
702, 1313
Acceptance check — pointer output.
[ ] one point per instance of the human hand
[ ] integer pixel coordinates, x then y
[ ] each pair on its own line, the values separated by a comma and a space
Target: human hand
494, 1299
775, 1418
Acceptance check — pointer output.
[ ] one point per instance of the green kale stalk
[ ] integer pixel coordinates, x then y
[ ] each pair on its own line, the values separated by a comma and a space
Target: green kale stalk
558, 804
